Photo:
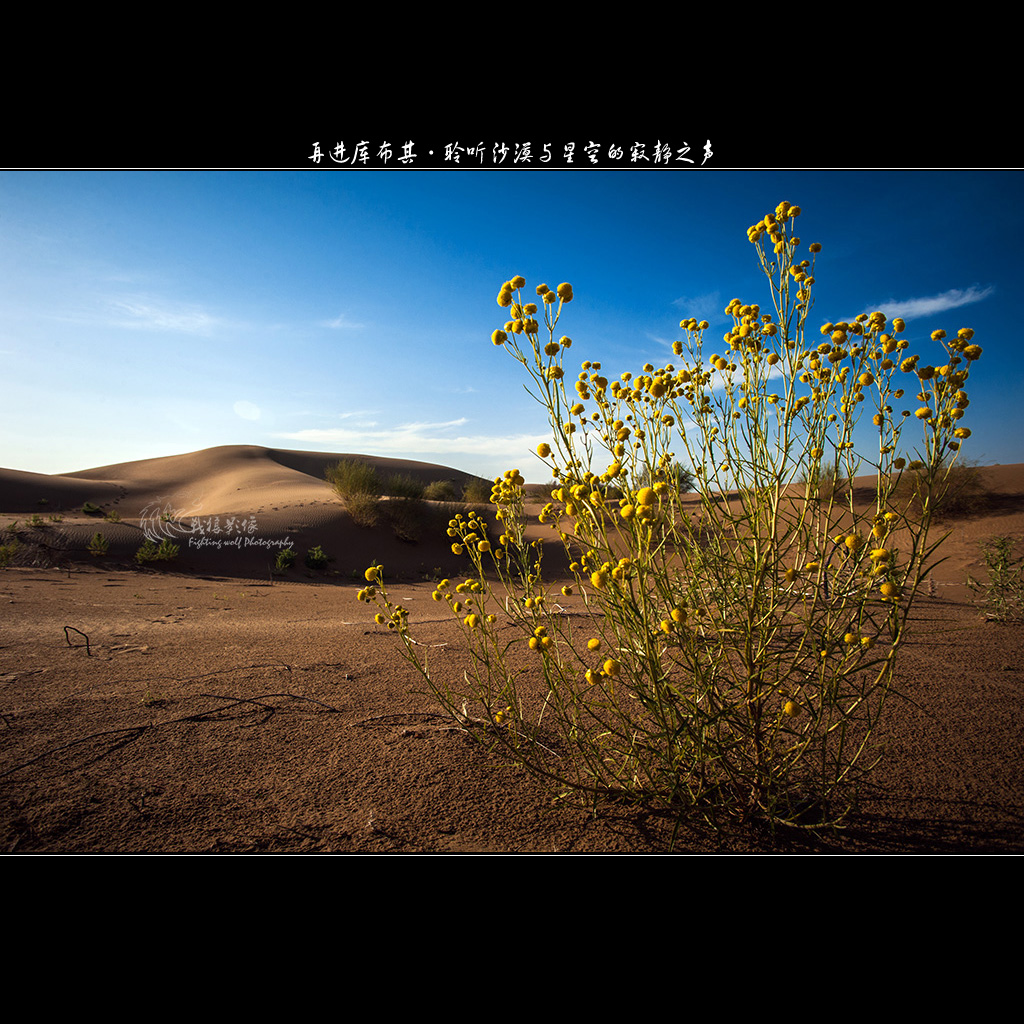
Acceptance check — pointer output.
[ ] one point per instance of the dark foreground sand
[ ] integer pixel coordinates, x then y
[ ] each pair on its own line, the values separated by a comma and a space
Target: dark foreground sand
218, 708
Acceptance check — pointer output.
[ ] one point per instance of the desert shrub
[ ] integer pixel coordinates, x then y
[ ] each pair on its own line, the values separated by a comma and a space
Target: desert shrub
440, 490
36, 520
407, 517
476, 491
113, 516
150, 551
90, 509
1002, 591
950, 490
824, 483
316, 558
364, 509
402, 485
739, 675
285, 560
8, 551
99, 545
676, 475
350, 478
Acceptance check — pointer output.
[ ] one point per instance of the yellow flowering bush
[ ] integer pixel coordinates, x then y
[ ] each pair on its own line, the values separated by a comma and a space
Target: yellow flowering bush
739, 643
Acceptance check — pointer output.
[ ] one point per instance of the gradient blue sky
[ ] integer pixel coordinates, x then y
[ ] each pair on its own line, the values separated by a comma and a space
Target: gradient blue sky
154, 313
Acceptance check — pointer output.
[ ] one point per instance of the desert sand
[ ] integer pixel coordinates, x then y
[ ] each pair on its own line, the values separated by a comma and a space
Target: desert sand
209, 705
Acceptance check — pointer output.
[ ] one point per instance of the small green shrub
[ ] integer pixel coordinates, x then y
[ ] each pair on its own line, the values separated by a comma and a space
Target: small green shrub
407, 517
284, 561
364, 509
113, 516
675, 474
90, 509
350, 478
36, 520
950, 490
1002, 591
99, 545
56, 518
824, 483
402, 485
440, 490
477, 491
316, 558
165, 551
8, 551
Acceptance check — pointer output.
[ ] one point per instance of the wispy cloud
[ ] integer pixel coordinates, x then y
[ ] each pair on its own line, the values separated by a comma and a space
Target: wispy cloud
954, 298
149, 316
342, 323
708, 306
410, 439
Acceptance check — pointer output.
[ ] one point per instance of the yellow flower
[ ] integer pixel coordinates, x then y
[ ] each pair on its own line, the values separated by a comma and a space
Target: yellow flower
791, 709
593, 644
499, 337
611, 668
543, 450
518, 282
565, 291
373, 573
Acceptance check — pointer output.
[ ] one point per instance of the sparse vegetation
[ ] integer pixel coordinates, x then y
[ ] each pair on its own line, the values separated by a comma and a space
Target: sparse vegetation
8, 551
477, 491
113, 516
98, 546
316, 558
1002, 591
284, 561
165, 551
440, 490
90, 509
350, 478
402, 485
951, 490
364, 509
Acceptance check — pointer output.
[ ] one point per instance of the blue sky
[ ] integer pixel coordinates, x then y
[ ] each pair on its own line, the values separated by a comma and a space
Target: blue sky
154, 313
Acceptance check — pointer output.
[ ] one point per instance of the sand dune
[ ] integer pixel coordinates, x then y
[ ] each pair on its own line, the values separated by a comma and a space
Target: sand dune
235, 507
281, 497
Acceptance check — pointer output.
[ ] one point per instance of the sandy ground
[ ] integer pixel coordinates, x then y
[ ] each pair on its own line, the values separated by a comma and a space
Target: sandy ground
211, 706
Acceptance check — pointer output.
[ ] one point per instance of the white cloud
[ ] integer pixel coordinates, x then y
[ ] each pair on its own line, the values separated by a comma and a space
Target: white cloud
340, 323
410, 439
140, 313
954, 298
247, 410
708, 306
